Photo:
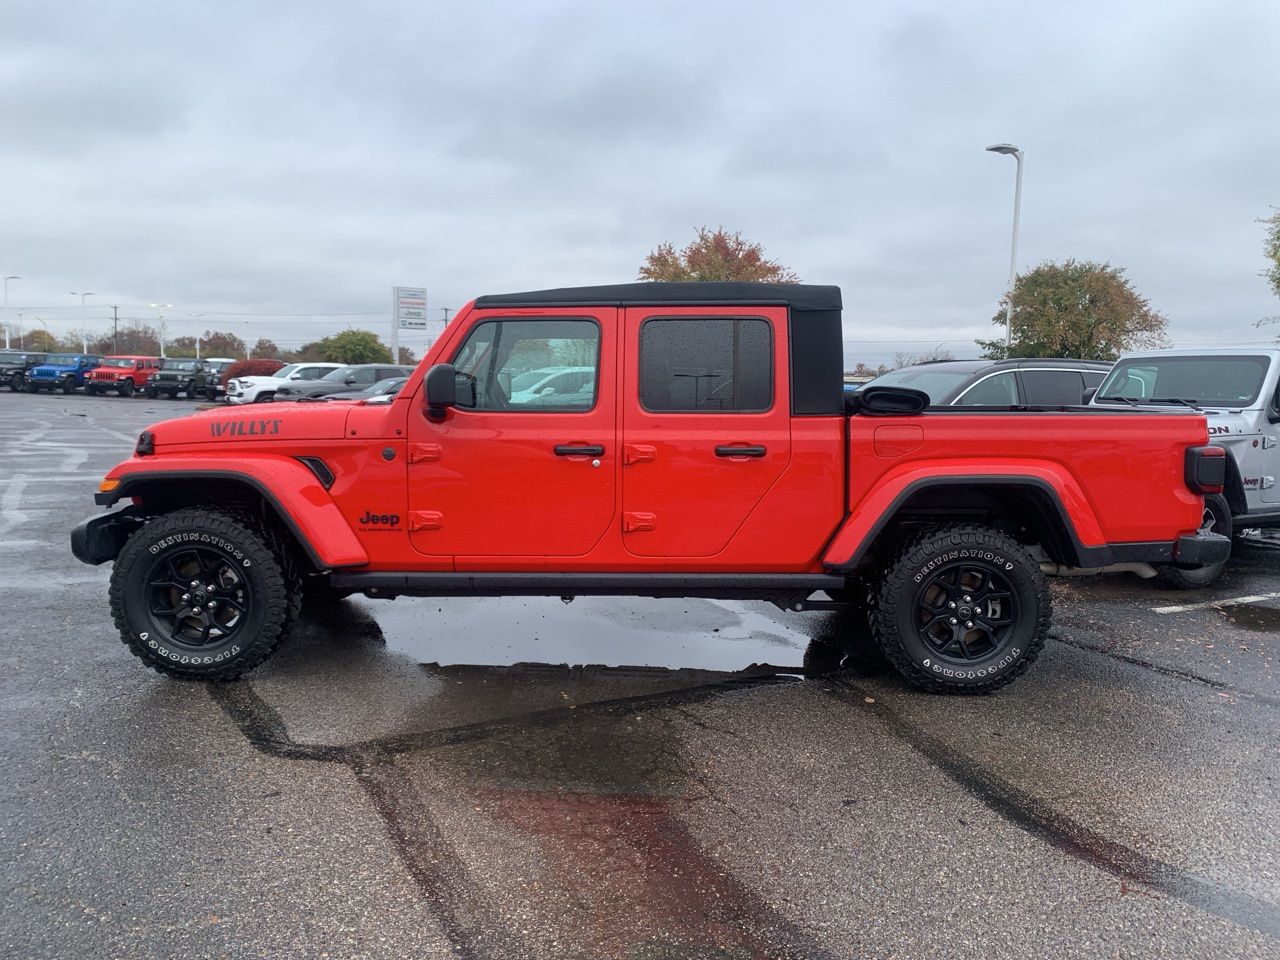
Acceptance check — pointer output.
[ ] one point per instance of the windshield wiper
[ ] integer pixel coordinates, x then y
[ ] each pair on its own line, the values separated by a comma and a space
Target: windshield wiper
1193, 404
1129, 400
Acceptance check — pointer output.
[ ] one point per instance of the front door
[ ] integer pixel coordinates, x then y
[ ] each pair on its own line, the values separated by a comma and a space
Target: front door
525, 467
707, 425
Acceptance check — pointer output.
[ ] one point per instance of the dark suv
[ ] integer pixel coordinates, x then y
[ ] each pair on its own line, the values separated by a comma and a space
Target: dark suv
179, 375
1001, 383
340, 381
14, 365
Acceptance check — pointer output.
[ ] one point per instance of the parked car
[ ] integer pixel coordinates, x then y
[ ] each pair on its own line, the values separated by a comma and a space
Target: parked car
262, 389
1238, 389
716, 460
14, 365
383, 388
999, 383
179, 375
552, 386
124, 375
214, 369
336, 381
61, 371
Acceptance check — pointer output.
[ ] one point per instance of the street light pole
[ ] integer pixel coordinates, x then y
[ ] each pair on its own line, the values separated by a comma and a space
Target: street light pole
1009, 150
84, 339
6, 307
160, 323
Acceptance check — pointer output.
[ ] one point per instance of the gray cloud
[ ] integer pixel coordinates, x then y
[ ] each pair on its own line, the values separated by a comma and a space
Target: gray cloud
251, 160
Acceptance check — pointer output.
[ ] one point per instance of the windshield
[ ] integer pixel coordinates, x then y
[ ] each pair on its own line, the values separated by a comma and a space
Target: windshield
284, 371
340, 374
7, 355
936, 383
179, 365
1212, 381
117, 362
62, 360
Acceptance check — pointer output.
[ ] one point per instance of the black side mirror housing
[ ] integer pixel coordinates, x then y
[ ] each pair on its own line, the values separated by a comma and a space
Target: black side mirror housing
1090, 394
441, 390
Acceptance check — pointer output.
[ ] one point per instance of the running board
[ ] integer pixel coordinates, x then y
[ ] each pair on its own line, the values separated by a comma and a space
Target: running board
787, 590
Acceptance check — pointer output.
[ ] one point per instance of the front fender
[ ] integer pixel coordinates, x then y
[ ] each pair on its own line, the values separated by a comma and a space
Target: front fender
297, 496
874, 513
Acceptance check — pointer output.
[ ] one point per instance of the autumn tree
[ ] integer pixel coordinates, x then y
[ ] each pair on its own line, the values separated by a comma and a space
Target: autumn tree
715, 255
265, 348
407, 358
221, 343
1079, 309
38, 341
353, 346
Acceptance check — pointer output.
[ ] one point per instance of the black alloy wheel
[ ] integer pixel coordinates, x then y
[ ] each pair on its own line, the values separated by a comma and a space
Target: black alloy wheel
197, 598
965, 611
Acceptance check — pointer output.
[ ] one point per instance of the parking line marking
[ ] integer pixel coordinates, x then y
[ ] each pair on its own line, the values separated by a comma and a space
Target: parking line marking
1206, 604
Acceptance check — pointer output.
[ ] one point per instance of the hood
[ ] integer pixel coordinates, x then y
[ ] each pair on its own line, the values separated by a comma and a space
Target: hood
1227, 426
301, 421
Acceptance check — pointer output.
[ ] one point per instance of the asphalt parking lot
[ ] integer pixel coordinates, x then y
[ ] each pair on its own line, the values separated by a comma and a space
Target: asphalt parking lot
445, 779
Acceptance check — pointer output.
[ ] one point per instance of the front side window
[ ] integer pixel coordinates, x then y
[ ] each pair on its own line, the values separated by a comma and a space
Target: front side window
998, 391
528, 365
723, 364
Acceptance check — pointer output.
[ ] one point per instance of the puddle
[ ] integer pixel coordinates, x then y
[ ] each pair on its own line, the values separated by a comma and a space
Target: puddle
1252, 616
720, 635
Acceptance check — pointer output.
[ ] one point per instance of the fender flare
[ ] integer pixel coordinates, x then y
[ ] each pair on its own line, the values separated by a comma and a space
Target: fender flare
856, 536
295, 494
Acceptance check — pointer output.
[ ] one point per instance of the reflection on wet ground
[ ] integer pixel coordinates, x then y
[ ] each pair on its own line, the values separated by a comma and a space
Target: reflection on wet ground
723, 635
1252, 616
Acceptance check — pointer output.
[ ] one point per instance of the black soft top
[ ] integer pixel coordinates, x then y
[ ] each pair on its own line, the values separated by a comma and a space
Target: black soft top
803, 297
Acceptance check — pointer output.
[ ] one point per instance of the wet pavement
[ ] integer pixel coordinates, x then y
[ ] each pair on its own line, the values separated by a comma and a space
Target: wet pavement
620, 778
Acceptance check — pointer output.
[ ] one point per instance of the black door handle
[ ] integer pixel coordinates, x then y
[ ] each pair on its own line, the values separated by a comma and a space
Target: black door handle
740, 451
566, 450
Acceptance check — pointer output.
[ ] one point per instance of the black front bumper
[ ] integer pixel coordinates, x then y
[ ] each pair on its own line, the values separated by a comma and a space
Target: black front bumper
101, 537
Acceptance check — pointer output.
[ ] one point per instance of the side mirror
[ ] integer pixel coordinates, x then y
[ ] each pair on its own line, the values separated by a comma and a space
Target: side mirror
349, 380
295, 376
441, 389
887, 401
1090, 394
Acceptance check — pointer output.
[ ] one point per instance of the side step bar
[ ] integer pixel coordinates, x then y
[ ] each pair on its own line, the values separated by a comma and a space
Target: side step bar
787, 590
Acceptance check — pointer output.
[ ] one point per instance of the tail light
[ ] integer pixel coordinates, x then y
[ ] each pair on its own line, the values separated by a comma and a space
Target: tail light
1206, 469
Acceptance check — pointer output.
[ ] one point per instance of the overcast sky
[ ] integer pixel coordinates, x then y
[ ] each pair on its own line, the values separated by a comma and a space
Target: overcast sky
241, 160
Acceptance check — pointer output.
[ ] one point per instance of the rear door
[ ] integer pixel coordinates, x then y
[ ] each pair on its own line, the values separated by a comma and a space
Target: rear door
706, 424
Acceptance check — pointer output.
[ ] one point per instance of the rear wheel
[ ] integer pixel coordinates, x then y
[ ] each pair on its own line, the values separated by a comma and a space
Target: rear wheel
200, 595
961, 609
1216, 519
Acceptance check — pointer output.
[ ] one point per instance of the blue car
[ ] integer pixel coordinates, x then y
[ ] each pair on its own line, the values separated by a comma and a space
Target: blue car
61, 371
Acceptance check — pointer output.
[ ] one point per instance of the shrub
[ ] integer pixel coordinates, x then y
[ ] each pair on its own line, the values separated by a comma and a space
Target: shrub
250, 368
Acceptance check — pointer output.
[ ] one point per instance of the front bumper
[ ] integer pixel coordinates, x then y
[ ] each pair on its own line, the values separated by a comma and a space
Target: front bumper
101, 537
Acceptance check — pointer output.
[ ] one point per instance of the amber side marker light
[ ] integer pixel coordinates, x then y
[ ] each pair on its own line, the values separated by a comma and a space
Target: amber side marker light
106, 486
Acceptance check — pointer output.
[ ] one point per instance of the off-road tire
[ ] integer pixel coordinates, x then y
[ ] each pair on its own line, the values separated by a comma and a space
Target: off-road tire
1197, 577
242, 547
265, 397
90, 390
33, 387
68, 385
152, 393
188, 390
125, 389
15, 383
896, 608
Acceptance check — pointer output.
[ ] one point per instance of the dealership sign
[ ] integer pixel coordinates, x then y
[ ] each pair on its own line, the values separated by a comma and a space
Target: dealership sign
409, 308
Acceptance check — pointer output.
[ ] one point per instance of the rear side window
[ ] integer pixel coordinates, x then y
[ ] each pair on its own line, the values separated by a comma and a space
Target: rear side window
721, 364
1053, 387
1000, 390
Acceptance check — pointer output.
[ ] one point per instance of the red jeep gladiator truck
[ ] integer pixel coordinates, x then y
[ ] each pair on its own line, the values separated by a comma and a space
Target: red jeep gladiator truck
702, 447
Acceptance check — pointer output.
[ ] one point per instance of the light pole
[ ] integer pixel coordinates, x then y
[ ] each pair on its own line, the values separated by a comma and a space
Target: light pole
196, 317
160, 323
1009, 150
6, 307
84, 339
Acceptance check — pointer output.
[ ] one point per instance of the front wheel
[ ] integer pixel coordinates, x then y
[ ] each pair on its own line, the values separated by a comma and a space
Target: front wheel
69, 385
1216, 519
961, 609
126, 388
199, 595
33, 387
265, 396
152, 393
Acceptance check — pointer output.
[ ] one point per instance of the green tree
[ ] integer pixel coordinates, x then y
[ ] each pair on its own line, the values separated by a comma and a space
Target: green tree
1271, 249
180, 347
1079, 309
714, 255
353, 346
